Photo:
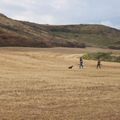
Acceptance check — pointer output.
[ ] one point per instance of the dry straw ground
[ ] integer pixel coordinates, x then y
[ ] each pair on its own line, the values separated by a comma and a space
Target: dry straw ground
36, 84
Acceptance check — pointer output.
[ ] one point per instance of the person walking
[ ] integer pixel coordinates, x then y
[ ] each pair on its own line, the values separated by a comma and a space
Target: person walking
99, 64
81, 63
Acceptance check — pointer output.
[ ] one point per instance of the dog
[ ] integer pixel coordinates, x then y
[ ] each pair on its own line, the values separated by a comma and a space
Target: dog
70, 67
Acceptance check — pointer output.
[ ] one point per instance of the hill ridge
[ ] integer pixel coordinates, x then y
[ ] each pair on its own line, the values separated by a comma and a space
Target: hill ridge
28, 34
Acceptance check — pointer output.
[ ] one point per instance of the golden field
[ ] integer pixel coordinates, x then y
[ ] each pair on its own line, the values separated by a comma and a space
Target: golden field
36, 84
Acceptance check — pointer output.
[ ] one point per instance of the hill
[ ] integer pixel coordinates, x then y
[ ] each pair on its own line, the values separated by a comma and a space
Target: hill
26, 34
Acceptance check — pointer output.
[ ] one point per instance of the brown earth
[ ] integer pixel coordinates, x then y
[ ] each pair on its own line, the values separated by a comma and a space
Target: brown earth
36, 84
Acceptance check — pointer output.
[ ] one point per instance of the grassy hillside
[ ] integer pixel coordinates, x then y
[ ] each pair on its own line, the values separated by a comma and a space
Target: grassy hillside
20, 33
93, 35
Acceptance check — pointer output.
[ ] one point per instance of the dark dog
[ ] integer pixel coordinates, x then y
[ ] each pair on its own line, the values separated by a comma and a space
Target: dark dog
70, 67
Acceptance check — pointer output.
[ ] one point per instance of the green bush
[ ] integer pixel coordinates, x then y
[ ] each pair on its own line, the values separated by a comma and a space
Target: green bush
102, 56
117, 59
114, 47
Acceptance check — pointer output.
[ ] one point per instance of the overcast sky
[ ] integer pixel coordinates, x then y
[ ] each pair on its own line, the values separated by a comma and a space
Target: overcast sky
105, 12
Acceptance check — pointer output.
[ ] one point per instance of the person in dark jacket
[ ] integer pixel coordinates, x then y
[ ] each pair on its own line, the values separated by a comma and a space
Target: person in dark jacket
99, 64
81, 63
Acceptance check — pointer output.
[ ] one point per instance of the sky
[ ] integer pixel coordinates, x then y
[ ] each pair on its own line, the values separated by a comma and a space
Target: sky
61, 12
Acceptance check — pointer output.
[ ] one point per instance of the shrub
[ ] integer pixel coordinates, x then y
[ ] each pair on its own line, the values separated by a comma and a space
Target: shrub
82, 45
114, 47
102, 56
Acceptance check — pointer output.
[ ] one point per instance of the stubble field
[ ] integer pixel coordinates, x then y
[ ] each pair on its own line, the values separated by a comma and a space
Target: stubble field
36, 84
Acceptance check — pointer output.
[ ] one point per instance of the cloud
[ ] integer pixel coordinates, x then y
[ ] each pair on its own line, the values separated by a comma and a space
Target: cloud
60, 4
64, 11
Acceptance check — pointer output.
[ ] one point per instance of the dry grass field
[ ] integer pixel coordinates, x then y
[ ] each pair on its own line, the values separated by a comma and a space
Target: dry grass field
36, 84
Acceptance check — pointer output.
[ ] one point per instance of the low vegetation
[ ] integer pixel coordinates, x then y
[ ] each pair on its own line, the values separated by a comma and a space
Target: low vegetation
114, 47
103, 56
